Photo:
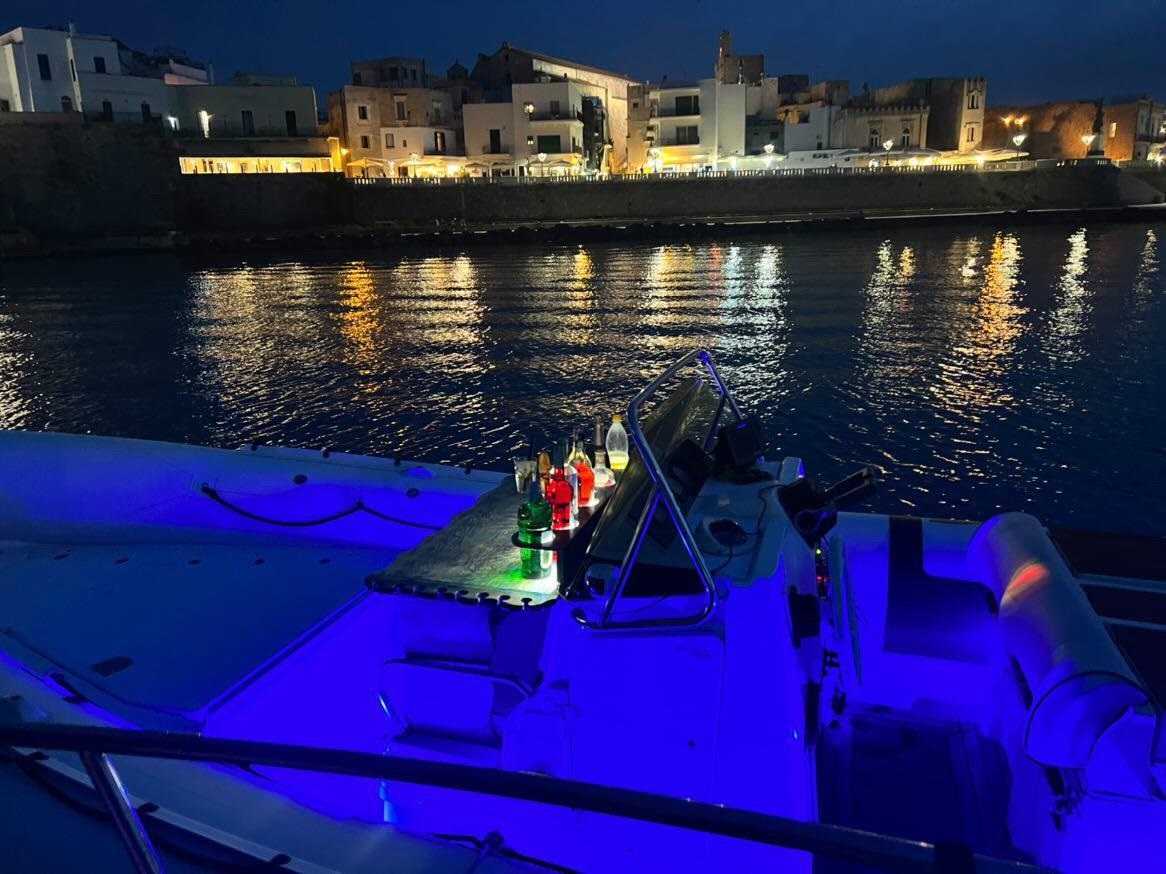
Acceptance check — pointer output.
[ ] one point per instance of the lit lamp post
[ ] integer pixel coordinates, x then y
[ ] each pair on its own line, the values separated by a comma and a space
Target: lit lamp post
542, 161
1018, 141
413, 158
1088, 139
768, 155
887, 146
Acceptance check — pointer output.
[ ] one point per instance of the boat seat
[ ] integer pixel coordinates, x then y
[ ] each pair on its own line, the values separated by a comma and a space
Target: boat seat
1075, 681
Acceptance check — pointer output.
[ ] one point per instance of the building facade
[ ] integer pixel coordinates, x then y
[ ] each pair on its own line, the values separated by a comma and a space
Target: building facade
1125, 130
394, 131
955, 109
539, 131
734, 69
496, 73
61, 70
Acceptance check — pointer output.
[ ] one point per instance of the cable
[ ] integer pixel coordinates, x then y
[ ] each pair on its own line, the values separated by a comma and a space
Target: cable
358, 507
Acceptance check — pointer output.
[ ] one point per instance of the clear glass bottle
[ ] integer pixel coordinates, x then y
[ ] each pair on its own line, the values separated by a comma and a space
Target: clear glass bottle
604, 475
559, 493
617, 445
534, 521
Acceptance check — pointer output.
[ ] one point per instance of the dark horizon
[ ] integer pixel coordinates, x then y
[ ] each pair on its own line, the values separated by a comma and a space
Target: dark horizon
1038, 53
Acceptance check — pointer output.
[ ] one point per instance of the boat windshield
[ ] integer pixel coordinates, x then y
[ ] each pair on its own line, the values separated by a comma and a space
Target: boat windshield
678, 430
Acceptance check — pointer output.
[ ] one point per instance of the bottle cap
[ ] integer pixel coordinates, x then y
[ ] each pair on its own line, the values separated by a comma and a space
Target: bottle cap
600, 458
616, 418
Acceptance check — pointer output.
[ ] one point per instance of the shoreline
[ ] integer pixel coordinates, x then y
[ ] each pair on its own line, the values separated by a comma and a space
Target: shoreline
341, 238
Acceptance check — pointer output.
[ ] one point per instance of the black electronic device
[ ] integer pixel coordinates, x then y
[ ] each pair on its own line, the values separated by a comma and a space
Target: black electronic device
738, 446
728, 533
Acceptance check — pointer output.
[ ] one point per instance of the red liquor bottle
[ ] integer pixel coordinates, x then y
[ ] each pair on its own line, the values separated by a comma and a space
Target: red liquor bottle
559, 494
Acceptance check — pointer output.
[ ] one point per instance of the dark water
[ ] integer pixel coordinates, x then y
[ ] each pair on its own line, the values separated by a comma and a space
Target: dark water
1019, 368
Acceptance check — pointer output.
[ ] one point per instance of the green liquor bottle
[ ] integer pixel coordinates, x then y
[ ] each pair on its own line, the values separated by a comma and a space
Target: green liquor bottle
534, 521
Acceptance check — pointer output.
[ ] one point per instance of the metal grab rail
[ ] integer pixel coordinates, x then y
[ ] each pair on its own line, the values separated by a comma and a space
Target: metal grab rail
819, 839
661, 491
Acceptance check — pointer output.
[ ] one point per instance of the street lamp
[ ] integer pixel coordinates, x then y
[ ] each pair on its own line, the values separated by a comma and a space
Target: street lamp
1088, 139
1017, 141
413, 157
887, 146
768, 155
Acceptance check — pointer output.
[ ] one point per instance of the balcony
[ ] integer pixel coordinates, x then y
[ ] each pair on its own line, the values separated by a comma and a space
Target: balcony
572, 117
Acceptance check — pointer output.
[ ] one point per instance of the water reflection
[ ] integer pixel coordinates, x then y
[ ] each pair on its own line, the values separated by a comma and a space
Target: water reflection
1147, 268
1068, 319
974, 376
15, 361
936, 352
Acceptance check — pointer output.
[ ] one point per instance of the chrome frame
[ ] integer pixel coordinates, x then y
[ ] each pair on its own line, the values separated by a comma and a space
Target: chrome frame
661, 491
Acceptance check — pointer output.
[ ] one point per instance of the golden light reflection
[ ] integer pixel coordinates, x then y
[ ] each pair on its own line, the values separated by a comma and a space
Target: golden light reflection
360, 316
1069, 315
974, 377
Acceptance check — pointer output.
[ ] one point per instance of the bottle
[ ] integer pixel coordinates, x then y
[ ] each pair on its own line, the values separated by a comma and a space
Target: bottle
544, 471
534, 521
584, 472
559, 494
617, 445
572, 479
604, 476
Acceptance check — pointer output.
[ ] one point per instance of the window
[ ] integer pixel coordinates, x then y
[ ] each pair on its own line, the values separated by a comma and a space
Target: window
356, 78
555, 108
971, 133
1112, 129
99, 65
413, 75
362, 112
635, 104
530, 142
248, 123
437, 111
404, 144
394, 76
5, 106
973, 100
905, 139
688, 105
495, 142
873, 139
66, 104
73, 69
439, 142
400, 105
146, 114
389, 144
574, 144
46, 72
688, 135
551, 144
107, 110
364, 141
289, 118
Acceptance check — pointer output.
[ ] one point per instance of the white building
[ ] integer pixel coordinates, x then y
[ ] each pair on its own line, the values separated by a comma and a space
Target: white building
539, 132
705, 125
61, 70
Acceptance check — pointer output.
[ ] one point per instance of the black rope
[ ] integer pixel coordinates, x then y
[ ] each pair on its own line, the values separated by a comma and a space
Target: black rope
358, 507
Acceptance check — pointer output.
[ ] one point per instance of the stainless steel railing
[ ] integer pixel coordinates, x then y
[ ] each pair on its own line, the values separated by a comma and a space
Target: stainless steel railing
661, 492
96, 744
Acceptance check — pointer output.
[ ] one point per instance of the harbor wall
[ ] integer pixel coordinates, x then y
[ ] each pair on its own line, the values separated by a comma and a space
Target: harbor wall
62, 178
257, 203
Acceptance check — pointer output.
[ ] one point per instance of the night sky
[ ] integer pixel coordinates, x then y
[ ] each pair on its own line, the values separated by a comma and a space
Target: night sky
1031, 51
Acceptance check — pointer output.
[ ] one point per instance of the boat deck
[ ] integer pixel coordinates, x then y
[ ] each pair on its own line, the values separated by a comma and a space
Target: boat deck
158, 634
